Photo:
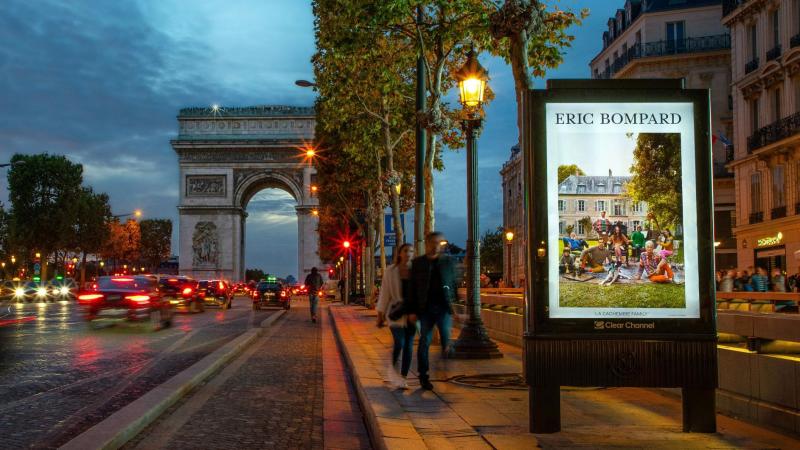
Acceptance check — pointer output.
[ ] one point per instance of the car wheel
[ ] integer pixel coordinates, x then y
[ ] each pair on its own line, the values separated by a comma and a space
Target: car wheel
168, 316
229, 304
200, 306
156, 320
256, 307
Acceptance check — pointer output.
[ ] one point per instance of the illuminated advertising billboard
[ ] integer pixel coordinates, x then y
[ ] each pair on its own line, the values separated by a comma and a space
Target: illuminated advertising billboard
620, 209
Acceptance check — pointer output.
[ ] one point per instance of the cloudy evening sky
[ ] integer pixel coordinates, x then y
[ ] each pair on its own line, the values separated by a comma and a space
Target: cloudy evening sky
102, 81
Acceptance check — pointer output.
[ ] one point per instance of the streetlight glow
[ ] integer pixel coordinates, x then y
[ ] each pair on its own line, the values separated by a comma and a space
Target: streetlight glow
509, 236
310, 153
471, 79
138, 213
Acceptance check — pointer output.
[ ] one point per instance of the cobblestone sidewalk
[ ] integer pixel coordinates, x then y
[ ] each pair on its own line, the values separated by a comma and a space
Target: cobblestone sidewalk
269, 397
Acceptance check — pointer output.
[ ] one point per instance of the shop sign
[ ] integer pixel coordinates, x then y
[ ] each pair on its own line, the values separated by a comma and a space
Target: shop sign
770, 240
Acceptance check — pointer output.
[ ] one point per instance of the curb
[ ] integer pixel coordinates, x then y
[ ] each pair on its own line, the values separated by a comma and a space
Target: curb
117, 429
374, 430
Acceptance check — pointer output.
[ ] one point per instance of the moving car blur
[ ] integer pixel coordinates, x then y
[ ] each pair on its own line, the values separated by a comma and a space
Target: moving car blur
126, 298
182, 292
216, 292
271, 292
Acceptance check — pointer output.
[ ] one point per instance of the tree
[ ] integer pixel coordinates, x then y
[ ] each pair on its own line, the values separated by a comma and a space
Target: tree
90, 231
564, 171
656, 168
254, 274
570, 228
453, 249
43, 193
156, 241
4, 241
123, 244
492, 250
586, 221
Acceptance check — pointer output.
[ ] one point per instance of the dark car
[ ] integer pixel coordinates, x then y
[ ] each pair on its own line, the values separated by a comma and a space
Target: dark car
63, 289
126, 298
182, 292
270, 293
217, 292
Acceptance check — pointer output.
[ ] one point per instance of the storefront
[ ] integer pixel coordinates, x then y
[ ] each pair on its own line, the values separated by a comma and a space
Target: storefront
770, 245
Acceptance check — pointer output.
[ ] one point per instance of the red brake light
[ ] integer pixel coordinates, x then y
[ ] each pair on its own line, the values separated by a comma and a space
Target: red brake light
141, 299
283, 293
221, 285
187, 291
122, 280
85, 298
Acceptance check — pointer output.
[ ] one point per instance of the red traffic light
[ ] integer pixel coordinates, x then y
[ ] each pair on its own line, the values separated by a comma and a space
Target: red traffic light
346, 244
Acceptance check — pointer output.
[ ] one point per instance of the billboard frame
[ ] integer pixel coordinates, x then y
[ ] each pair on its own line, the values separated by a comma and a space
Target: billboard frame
674, 352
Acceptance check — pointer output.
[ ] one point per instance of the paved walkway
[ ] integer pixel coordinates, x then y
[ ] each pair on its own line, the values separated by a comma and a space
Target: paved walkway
463, 416
287, 390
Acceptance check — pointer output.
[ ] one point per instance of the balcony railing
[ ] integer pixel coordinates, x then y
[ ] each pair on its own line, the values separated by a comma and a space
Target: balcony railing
795, 40
778, 213
728, 6
666, 48
774, 132
729, 153
774, 52
756, 217
751, 66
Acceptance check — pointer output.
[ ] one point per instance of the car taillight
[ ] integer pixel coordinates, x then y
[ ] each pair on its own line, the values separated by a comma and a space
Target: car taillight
283, 293
89, 298
221, 285
321, 293
140, 299
187, 291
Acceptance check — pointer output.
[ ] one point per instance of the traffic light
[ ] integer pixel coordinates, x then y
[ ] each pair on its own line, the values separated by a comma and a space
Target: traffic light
330, 272
346, 244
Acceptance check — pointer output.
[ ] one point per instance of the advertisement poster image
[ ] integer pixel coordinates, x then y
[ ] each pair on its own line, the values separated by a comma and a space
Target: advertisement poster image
622, 220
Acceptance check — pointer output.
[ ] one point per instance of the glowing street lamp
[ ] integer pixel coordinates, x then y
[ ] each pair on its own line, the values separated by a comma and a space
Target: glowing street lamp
315, 212
473, 341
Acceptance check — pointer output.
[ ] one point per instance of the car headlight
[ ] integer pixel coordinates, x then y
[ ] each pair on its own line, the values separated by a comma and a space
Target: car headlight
19, 292
41, 292
64, 290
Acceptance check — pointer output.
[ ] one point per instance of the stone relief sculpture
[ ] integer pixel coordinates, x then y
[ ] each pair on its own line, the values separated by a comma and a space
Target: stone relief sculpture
205, 245
205, 185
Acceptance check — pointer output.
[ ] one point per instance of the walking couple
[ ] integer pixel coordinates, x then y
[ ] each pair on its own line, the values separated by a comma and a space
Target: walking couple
417, 293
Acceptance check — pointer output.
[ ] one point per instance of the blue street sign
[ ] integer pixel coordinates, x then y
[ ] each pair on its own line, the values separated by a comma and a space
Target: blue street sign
390, 237
37, 268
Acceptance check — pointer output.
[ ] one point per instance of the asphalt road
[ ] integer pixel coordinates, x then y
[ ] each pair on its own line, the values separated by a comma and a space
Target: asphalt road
58, 376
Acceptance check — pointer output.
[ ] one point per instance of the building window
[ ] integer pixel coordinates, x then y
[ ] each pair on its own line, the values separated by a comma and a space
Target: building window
755, 193
635, 225
562, 205
776, 104
638, 207
753, 115
778, 186
617, 188
776, 27
581, 189
601, 187
752, 36
639, 36
675, 34
580, 205
561, 226
580, 229
796, 84
600, 205
619, 207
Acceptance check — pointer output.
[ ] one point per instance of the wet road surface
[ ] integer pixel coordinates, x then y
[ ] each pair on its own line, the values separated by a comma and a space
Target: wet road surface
59, 376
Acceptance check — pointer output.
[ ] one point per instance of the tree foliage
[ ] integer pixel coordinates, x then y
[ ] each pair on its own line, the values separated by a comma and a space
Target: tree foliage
123, 244
492, 250
254, 274
565, 170
156, 241
656, 169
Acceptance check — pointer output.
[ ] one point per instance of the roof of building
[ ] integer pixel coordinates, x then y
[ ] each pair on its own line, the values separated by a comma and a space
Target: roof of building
246, 111
593, 184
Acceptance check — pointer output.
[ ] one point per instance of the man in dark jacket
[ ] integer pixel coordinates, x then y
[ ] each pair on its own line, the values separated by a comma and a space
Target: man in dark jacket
433, 288
314, 283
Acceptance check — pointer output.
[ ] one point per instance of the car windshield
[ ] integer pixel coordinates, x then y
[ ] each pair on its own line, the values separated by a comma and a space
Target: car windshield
174, 282
126, 283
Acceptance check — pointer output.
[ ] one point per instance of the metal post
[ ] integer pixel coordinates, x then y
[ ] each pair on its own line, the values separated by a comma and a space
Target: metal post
419, 208
346, 298
508, 267
474, 341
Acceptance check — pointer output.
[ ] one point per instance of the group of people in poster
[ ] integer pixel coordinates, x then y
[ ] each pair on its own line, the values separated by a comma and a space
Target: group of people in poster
645, 251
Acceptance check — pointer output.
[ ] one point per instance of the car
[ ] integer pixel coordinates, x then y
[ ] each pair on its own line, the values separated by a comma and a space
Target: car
65, 289
299, 289
32, 291
126, 298
182, 292
217, 292
330, 289
271, 293
241, 289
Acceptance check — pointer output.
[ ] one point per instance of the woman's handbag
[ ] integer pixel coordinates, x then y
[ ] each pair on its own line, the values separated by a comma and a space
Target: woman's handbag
396, 311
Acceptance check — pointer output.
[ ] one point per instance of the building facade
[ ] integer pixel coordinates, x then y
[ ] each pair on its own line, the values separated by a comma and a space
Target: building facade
682, 39
585, 197
513, 220
765, 37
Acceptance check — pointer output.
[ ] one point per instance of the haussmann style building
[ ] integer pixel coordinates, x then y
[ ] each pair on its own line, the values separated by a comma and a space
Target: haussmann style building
765, 64
681, 39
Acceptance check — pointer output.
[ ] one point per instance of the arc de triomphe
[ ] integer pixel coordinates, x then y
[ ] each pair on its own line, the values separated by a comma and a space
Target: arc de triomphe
226, 156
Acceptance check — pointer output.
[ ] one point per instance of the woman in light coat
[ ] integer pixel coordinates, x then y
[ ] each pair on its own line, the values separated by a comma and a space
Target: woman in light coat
394, 287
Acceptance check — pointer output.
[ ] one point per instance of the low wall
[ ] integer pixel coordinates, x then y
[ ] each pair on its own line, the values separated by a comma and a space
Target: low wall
759, 359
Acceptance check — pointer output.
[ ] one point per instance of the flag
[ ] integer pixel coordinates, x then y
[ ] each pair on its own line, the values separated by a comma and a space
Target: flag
721, 137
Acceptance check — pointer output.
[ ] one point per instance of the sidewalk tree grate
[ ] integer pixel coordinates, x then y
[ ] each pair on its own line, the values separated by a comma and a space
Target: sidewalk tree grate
513, 381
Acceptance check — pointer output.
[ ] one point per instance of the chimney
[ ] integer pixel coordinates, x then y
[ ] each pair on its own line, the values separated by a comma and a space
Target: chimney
609, 172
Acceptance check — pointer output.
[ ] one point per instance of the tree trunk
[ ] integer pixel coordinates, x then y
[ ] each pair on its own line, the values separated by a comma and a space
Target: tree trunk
381, 236
430, 215
83, 270
394, 195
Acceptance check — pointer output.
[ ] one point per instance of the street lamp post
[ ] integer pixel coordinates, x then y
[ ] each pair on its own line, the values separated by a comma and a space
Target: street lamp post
509, 241
474, 341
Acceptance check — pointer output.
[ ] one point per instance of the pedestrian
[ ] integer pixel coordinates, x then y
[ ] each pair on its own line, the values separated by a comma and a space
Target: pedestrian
395, 288
654, 265
433, 286
619, 244
593, 258
567, 263
727, 281
794, 281
637, 242
314, 283
602, 225
778, 281
759, 281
